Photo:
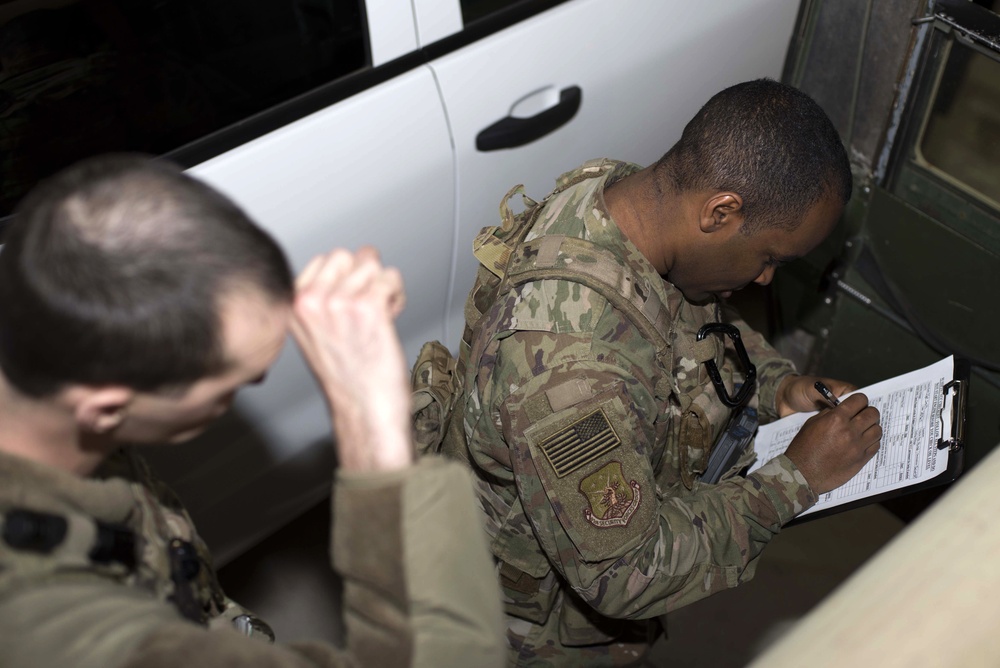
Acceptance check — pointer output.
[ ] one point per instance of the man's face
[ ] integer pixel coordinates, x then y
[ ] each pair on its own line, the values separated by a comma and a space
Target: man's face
254, 331
730, 260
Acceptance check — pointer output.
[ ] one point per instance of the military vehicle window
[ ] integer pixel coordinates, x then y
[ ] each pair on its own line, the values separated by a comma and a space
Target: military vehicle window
477, 9
85, 77
961, 137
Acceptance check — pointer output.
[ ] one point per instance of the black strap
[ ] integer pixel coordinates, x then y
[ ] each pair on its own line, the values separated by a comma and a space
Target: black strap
184, 568
33, 531
114, 543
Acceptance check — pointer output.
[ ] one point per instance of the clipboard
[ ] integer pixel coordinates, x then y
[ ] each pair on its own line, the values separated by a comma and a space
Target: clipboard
951, 442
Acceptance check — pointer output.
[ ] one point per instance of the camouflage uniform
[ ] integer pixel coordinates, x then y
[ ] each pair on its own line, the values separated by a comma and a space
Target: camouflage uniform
108, 571
587, 433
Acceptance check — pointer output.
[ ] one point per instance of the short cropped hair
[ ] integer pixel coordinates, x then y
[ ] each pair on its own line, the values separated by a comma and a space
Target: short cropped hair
768, 142
112, 271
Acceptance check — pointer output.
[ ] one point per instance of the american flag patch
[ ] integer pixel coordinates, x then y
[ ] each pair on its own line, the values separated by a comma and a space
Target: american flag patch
580, 443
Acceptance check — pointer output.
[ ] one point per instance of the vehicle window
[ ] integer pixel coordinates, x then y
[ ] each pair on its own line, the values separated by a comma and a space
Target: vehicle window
961, 138
477, 9
85, 77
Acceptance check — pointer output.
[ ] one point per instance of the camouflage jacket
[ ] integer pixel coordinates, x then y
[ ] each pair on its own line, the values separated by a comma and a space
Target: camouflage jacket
108, 571
587, 437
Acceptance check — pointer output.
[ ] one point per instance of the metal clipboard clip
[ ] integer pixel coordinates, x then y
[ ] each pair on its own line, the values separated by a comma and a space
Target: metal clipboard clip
953, 415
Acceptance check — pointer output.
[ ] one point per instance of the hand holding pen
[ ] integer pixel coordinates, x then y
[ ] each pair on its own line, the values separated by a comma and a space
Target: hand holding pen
797, 394
833, 445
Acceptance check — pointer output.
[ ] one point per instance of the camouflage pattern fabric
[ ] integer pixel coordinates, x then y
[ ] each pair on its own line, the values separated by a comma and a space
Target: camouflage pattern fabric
123, 494
587, 436
415, 572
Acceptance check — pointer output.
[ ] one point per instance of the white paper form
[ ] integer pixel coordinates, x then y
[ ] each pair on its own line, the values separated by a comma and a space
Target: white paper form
910, 408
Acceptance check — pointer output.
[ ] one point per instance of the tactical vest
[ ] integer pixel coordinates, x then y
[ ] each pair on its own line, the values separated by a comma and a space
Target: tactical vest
507, 262
48, 541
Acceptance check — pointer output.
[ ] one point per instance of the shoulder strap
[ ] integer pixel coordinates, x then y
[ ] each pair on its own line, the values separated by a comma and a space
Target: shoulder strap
42, 546
564, 258
493, 246
503, 253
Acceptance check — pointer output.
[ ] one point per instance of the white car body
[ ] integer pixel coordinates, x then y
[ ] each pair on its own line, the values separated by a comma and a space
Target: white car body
396, 166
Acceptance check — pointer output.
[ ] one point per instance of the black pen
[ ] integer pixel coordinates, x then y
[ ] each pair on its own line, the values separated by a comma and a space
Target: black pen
827, 394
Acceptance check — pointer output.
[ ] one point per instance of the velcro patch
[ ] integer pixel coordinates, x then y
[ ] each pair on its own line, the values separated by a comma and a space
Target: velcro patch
579, 443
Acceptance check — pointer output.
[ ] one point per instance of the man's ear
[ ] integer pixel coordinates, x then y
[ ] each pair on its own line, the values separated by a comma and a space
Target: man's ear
100, 410
723, 210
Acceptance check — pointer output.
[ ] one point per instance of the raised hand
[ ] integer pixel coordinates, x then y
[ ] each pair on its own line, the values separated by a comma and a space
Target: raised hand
345, 307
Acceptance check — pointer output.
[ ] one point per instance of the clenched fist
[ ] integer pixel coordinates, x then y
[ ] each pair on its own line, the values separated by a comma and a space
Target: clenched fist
345, 307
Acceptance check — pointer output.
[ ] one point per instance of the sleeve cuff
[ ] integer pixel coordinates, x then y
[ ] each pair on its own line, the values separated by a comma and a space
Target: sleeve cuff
368, 480
785, 487
769, 377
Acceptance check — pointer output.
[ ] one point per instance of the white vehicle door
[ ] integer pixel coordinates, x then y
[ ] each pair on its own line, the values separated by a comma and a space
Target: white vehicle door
580, 80
375, 168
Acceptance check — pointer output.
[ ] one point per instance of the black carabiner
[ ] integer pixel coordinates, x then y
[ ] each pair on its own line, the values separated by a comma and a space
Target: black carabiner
750, 378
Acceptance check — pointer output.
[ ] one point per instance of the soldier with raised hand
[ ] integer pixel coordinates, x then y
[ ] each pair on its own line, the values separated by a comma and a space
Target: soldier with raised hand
590, 411
134, 302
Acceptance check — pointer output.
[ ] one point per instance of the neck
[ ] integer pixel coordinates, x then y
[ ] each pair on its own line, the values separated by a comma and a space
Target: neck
646, 216
45, 431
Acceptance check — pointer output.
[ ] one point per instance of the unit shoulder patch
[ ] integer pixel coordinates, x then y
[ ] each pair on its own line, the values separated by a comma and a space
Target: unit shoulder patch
585, 469
611, 499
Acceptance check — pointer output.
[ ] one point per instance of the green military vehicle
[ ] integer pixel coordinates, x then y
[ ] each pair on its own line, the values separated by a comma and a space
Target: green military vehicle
913, 274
